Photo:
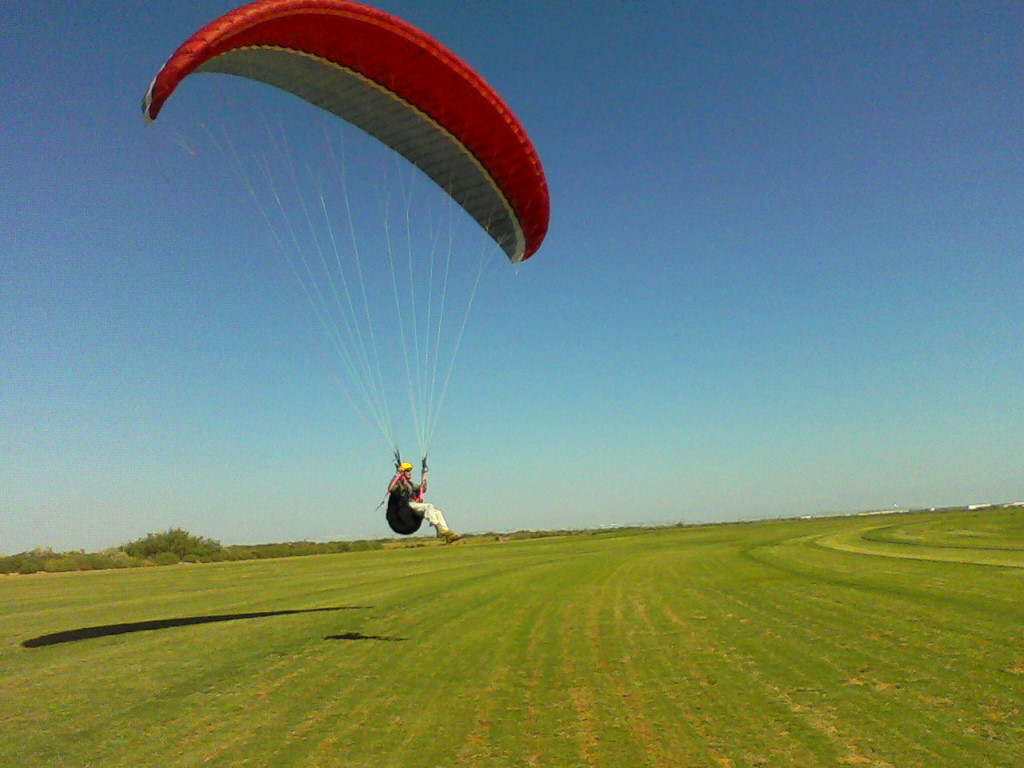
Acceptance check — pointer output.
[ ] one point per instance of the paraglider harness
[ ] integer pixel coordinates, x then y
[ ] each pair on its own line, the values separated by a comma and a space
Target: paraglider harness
402, 518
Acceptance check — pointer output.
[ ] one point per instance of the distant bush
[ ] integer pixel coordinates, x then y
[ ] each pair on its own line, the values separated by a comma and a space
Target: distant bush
29, 564
176, 540
296, 549
63, 563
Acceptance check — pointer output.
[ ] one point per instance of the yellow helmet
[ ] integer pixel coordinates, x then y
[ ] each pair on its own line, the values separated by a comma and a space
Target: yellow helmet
405, 467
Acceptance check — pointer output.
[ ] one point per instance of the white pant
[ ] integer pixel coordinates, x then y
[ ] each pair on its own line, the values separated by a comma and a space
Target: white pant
431, 514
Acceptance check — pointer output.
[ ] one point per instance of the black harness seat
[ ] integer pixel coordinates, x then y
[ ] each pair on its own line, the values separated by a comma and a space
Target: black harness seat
402, 518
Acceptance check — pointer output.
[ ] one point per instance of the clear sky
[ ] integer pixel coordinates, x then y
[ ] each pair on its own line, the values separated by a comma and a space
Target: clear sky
784, 276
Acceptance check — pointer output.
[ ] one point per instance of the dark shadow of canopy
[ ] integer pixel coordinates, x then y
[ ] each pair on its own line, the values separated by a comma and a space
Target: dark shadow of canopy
106, 630
361, 636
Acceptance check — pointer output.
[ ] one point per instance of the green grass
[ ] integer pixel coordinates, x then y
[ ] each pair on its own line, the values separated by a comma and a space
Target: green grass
876, 641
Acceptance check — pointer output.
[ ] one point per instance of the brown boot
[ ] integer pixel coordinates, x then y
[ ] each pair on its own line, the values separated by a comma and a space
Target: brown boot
450, 536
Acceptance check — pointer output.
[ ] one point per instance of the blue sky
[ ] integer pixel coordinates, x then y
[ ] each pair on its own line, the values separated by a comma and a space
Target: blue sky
783, 277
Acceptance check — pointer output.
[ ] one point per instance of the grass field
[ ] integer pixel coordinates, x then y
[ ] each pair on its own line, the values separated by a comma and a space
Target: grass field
891, 640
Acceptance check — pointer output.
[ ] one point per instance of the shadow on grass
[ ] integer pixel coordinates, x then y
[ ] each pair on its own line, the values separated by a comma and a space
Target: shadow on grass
106, 630
361, 636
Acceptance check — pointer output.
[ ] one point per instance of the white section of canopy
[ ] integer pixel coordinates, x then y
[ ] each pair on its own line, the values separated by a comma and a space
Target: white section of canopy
393, 121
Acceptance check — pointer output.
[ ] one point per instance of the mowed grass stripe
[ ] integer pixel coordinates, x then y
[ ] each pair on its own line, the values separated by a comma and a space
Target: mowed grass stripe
809, 666
719, 692
928, 629
653, 674
628, 714
911, 647
761, 704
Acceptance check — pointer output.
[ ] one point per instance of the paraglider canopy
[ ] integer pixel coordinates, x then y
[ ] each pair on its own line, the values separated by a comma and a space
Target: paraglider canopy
397, 84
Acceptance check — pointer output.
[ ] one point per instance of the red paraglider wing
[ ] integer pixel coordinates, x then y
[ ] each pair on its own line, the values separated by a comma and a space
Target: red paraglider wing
396, 83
